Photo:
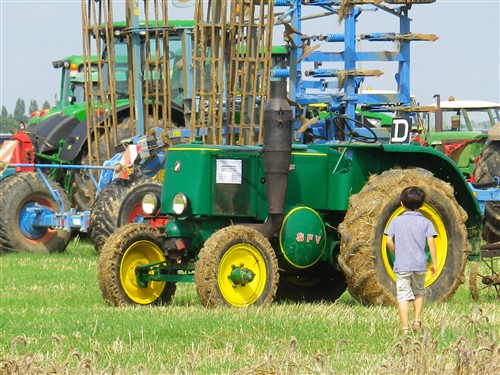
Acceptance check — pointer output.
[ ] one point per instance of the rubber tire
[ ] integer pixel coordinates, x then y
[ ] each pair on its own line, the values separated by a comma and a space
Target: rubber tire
114, 206
487, 168
22, 189
110, 260
361, 250
213, 251
319, 283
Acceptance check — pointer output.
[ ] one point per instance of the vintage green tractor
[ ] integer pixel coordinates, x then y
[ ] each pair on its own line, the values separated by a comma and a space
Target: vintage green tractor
251, 224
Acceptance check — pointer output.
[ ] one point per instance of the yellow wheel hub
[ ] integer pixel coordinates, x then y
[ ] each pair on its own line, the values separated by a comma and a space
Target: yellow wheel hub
441, 244
248, 257
141, 252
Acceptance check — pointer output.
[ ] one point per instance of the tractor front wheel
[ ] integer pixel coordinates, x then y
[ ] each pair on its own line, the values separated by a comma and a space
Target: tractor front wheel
22, 193
119, 203
364, 257
236, 267
129, 247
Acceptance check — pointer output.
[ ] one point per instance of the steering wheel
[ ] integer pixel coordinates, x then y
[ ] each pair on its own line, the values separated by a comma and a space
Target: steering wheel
351, 132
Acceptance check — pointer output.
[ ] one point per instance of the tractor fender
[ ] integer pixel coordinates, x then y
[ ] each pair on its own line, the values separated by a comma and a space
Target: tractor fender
74, 142
51, 131
78, 137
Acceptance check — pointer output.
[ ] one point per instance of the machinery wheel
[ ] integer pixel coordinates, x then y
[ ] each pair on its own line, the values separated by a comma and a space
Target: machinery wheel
484, 283
319, 283
118, 204
485, 170
236, 267
130, 246
81, 186
366, 261
16, 232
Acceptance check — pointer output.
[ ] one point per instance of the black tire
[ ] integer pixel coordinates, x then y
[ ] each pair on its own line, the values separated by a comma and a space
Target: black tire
319, 283
363, 255
237, 246
487, 168
81, 186
119, 204
131, 245
19, 192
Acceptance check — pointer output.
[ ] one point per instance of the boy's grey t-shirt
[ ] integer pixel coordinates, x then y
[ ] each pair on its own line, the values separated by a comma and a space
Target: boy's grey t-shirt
410, 232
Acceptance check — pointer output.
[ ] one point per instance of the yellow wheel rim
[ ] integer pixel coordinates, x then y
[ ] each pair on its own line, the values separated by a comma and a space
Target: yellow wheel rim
441, 244
141, 252
247, 256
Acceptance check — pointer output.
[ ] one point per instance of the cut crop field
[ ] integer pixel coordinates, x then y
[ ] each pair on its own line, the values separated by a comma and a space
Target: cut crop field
54, 320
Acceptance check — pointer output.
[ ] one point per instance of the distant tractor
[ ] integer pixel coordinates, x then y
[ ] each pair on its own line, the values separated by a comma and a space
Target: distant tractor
459, 129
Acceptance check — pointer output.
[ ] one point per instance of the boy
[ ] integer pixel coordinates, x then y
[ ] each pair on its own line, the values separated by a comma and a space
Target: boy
407, 236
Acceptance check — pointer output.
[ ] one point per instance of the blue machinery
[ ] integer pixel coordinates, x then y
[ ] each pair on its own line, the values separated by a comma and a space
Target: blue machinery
340, 88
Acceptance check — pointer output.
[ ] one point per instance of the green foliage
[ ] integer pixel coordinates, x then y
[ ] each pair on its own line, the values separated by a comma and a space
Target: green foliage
53, 318
8, 125
5, 114
46, 105
20, 110
33, 106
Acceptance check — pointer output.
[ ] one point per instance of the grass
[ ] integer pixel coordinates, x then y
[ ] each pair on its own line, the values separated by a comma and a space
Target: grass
53, 320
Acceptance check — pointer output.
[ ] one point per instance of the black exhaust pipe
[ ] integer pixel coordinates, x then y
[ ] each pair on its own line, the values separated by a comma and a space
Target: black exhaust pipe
278, 133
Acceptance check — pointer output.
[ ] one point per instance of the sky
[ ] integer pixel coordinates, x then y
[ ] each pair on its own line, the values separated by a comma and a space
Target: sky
464, 62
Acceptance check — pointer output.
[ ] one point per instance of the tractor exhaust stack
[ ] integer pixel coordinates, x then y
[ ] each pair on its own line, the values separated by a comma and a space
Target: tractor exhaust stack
278, 133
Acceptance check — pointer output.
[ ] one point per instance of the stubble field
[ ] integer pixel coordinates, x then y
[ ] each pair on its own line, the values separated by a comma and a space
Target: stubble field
54, 320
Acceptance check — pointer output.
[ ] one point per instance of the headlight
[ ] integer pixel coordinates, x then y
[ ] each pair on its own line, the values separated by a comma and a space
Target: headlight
179, 203
150, 204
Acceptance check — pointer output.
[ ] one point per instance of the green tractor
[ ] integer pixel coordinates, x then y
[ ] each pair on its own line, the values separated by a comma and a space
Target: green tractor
270, 219
69, 93
252, 224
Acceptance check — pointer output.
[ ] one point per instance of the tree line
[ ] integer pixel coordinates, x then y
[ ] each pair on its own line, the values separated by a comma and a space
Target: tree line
9, 122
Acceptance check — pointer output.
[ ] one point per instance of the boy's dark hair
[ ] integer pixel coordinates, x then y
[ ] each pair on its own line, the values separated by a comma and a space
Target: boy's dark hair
412, 197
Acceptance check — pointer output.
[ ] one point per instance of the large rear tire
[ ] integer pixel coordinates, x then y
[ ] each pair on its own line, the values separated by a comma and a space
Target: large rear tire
487, 168
131, 246
364, 257
228, 251
20, 193
118, 204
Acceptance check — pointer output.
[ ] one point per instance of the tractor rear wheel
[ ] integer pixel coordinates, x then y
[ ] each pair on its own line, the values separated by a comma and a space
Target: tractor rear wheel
487, 168
236, 267
318, 283
22, 192
368, 264
131, 246
119, 203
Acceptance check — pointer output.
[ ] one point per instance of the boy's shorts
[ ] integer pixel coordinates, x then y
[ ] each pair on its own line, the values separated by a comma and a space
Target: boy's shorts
408, 284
